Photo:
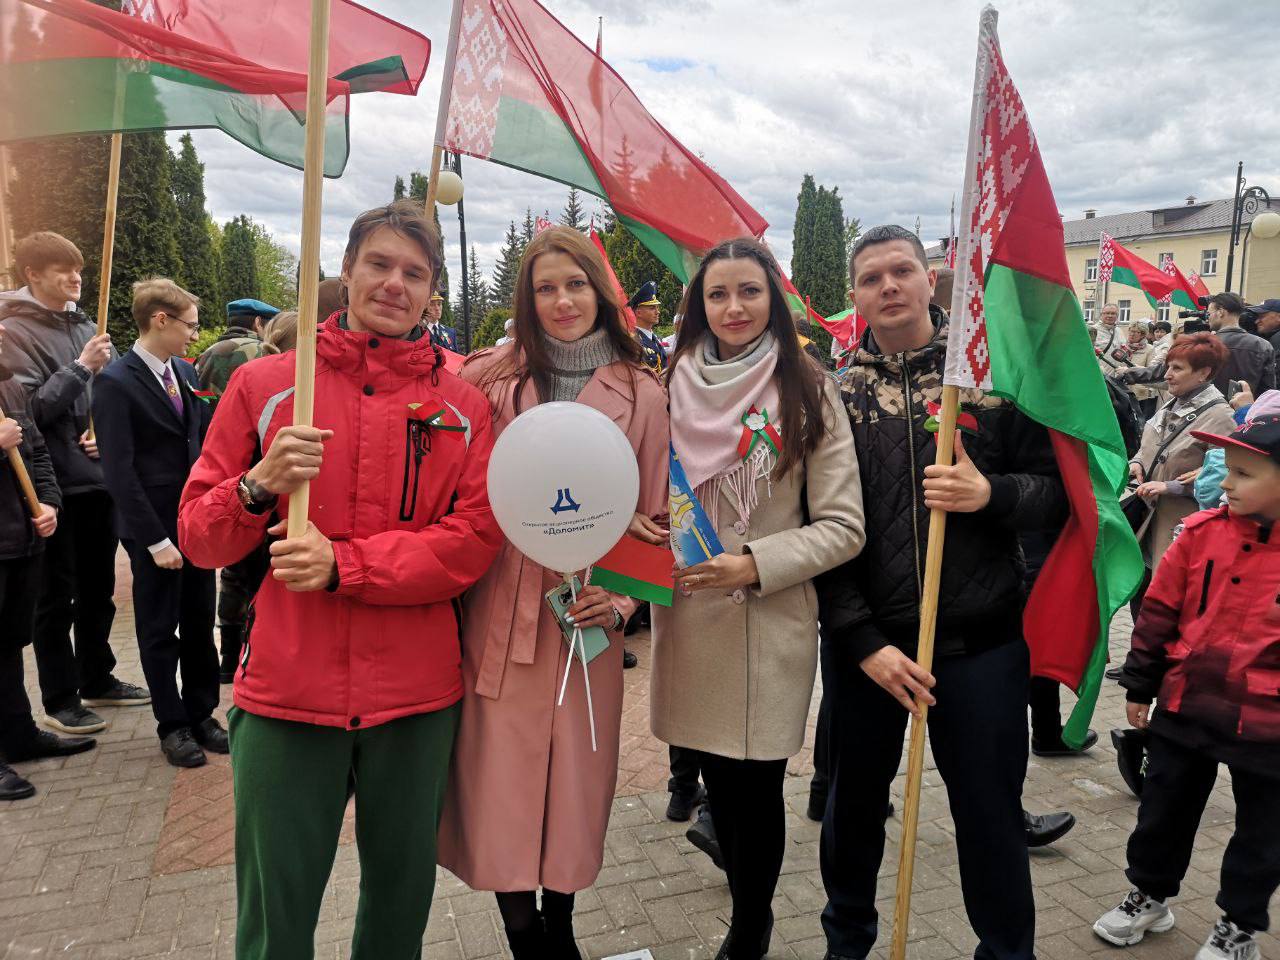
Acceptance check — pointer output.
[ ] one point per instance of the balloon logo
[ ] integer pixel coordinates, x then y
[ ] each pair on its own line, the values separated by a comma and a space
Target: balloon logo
564, 484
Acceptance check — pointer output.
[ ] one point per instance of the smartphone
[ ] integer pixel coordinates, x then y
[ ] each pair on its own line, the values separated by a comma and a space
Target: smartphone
560, 599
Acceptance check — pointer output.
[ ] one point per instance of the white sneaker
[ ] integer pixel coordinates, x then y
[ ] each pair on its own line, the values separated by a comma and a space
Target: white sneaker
1128, 923
1229, 942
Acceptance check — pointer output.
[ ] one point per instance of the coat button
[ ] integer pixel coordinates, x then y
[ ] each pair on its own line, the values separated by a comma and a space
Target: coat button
739, 596
373, 342
1248, 547
1235, 579
368, 390
740, 528
355, 721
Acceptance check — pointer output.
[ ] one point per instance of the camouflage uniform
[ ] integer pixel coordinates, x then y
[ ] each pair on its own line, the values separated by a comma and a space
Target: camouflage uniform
238, 345
240, 581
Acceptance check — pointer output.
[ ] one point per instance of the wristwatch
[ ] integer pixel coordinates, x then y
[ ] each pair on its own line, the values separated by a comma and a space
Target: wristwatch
254, 497
619, 621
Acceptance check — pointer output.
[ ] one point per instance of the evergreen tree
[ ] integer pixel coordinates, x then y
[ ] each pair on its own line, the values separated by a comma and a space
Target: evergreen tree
198, 270
827, 289
490, 329
442, 284
573, 215
802, 235
507, 270
852, 230
477, 289
526, 234
276, 269
634, 264
398, 192
239, 260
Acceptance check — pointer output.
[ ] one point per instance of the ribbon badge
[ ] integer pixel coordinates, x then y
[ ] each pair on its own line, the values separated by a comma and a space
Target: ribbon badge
208, 396
757, 429
966, 422
436, 420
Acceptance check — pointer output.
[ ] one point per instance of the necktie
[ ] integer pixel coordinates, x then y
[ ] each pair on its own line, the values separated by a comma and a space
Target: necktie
171, 388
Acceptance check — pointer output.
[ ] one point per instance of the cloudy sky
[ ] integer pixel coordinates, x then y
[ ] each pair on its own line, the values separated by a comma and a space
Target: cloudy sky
1135, 104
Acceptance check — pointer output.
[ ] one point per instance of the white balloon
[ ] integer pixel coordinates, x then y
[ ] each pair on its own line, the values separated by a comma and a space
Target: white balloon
448, 188
564, 484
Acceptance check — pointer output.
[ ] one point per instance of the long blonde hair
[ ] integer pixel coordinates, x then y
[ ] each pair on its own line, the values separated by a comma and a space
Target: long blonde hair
281, 334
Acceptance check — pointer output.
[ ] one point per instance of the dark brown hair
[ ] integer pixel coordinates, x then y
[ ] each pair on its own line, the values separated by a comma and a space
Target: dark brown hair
1200, 350
529, 358
156, 294
799, 378
405, 217
45, 249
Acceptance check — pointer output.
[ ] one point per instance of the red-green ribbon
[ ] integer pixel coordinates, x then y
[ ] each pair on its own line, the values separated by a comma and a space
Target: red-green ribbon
206, 395
436, 420
757, 429
966, 422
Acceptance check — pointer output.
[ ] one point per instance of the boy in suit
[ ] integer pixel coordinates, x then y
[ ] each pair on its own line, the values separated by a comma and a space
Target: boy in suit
150, 427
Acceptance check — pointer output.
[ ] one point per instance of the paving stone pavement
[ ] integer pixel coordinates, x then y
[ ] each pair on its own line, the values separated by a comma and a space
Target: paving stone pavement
121, 856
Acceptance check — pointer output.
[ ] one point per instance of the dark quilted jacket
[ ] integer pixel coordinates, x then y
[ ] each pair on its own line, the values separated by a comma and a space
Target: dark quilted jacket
874, 599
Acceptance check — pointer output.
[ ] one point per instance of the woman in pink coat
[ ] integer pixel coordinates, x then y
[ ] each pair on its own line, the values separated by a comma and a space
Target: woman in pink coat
528, 800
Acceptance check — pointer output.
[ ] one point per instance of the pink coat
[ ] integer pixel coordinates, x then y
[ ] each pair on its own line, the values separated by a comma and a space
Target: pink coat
528, 802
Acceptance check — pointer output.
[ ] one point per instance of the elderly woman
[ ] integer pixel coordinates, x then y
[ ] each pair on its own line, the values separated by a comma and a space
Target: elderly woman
1170, 456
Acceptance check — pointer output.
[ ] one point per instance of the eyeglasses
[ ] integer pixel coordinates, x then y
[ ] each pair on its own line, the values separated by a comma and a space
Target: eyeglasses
193, 327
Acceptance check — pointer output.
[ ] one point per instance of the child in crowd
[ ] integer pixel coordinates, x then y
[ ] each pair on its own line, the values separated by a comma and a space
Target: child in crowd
1206, 648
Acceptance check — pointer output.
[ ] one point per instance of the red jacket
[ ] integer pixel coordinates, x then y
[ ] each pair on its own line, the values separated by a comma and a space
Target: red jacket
407, 509
1207, 643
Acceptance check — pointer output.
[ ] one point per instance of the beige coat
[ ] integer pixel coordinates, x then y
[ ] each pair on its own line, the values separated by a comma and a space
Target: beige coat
733, 674
528, 801
1186, 453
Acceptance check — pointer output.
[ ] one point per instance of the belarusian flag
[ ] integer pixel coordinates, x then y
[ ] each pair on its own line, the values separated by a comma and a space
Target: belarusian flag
1183, 293
637, 569
521, 90
71, 67
1121, 265
628, 314
1017, 331
366, 49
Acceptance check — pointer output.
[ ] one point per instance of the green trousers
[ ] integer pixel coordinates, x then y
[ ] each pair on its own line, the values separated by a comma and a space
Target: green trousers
291, 792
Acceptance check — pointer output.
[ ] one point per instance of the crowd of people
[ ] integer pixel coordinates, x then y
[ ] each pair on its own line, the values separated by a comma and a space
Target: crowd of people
401, 650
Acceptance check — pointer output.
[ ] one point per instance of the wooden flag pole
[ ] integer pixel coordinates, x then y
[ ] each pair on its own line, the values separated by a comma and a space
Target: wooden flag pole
24, 479
924, 657
442, 109
309, 263
108, 239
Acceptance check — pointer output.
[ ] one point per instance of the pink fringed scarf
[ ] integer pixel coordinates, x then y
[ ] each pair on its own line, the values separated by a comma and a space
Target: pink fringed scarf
708, 402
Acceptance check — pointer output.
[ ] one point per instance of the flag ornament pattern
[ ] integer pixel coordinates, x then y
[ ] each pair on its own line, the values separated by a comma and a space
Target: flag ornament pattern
1017, 332
525, 92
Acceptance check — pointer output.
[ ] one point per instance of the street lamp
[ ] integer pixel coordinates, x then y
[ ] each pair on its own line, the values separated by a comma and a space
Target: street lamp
1248, 201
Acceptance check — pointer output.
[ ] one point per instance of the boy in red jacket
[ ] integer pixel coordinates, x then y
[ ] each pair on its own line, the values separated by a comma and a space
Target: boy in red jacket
351, 663
1206, 647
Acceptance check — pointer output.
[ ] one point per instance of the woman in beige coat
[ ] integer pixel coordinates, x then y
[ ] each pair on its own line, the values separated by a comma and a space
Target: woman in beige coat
1170, 456
528, 799
759, 431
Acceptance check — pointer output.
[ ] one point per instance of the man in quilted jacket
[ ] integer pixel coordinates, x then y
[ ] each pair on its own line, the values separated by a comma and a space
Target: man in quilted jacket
1004, 481
351, 664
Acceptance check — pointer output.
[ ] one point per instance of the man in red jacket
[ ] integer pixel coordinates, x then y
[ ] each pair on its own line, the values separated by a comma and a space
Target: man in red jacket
351, 661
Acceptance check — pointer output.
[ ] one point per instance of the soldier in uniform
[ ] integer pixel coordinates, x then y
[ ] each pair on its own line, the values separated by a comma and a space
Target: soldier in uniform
645, 304
242, 342
441, 336
239, 343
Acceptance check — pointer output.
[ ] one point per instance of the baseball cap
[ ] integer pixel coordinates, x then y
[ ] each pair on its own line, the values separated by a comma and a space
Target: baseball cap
1260, 432
1267, 306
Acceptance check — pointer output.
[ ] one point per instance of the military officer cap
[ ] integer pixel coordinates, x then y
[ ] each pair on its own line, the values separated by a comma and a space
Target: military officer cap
248, 307
646, 296
437, 297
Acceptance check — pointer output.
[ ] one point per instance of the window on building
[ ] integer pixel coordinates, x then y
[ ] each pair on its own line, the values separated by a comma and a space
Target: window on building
1124, 306
1208, 263
1163, 312
1091, 270
1162, 258
1088, 307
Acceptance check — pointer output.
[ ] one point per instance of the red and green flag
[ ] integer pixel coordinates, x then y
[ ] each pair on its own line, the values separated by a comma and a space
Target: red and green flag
71, 67
1017, 331
366, 49
1118, 264
521, 90
1184, 293
627, 312
637, 569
